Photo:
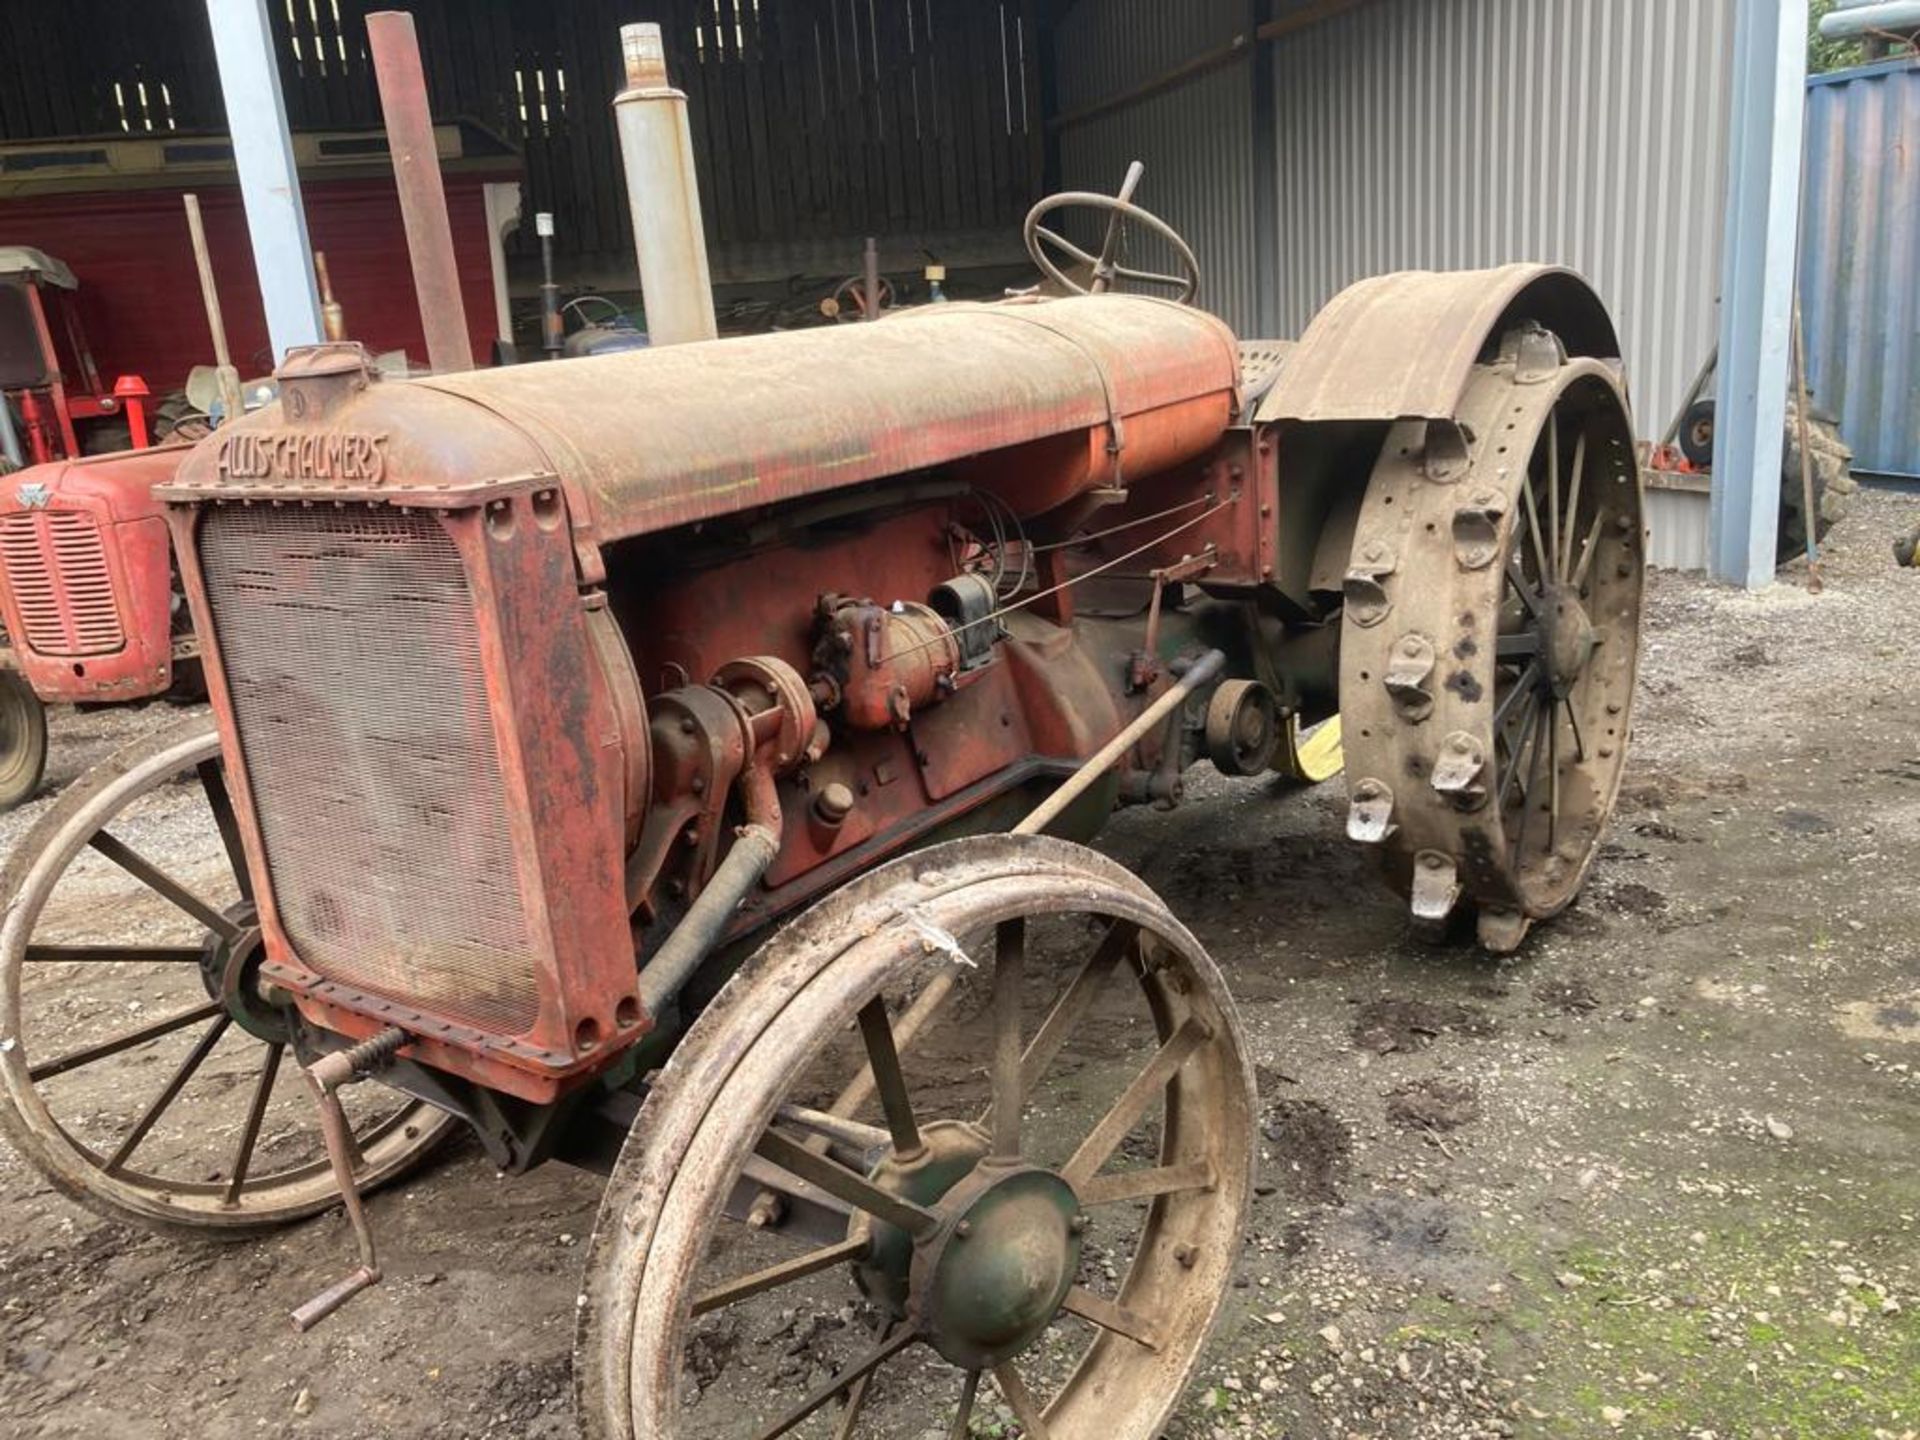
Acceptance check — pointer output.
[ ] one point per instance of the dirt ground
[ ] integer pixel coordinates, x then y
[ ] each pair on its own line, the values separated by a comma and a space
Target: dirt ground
1655, 1176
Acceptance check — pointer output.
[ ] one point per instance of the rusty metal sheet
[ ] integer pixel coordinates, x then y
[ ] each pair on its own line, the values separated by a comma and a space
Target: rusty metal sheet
660, 438
1402, 346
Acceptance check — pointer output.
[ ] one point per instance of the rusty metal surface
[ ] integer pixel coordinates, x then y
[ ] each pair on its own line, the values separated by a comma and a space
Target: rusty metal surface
87, 584
423, 197
649, 440
1490, 640
202, 1191
711, 1109
1404, 345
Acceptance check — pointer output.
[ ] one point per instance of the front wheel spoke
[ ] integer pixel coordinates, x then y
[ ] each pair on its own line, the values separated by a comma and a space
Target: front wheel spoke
1020, 1400
168, 1094
256, 1115
163, 884
1072, 1007
1111, 1315
213, 780
877, 1031
74, 1059
855, 1135
799, 1268
1553, 493
865, 1365
1009, 975
906, 1030
115, 954
1118, 1122
834, 1178
1146, 1184
963, 1416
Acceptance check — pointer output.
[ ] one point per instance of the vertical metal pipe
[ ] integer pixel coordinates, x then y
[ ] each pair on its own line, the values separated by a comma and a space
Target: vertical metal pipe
423, 199
656, 150
247, 56
553, 332
870, 267
1756, 289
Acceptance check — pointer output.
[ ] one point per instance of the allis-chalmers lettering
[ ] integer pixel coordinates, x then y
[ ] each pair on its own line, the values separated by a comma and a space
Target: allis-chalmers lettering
350, 457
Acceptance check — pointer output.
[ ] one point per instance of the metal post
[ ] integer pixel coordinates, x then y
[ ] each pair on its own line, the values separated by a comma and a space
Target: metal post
243, 51
1756, 288
423, 195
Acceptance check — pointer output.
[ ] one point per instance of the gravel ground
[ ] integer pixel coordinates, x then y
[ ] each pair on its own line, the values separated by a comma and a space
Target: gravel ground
1654, 1176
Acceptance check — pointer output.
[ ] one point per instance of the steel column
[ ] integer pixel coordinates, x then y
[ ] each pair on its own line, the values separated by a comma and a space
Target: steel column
243, 50
1756, 290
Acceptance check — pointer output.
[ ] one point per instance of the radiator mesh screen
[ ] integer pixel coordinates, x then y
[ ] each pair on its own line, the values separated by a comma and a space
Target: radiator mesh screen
353, 660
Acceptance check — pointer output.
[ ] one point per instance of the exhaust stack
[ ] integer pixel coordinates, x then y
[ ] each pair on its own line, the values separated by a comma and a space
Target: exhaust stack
656, 149
423, 198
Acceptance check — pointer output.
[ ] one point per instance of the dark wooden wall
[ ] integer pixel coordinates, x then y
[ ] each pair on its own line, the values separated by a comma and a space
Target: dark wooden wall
815, 121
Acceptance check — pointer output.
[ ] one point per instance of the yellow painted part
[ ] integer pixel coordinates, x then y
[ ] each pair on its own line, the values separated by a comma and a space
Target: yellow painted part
1319, 757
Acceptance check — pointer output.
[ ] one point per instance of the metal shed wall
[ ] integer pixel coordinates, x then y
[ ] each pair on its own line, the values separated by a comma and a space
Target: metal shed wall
1195, 138
1426, 134
1860, 260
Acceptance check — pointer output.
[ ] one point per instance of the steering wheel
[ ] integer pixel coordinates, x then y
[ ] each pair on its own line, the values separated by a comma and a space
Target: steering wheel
1106, 269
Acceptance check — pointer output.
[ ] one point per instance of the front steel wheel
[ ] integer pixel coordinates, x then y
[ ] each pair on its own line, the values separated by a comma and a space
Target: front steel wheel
988, 1118
137, 1071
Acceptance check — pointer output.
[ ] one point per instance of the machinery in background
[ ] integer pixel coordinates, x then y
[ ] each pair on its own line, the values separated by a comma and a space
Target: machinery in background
53, 403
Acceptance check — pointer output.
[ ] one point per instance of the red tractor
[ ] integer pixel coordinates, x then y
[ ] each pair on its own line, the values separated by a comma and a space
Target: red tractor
677, 763
86, 596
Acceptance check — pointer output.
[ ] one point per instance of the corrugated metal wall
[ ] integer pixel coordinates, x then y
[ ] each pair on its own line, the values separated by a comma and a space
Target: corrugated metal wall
1425, 134
1196, 139
1860, 260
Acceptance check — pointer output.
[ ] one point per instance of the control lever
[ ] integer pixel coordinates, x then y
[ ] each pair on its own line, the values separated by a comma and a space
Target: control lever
326, 1078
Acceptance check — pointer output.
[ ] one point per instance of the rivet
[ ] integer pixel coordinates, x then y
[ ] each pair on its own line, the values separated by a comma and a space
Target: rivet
963, 1229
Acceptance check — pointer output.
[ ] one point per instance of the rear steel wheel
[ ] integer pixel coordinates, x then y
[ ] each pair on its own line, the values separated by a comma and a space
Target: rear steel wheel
1491, 640
137, 1071
951, 1222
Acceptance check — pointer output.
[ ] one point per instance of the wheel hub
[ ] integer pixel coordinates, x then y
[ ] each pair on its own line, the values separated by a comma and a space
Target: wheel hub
995, 1275
1567, 638
230, 971
949, 1151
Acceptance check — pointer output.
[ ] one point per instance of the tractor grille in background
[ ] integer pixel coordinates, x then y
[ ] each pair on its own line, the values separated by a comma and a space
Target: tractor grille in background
352, 656
57, 567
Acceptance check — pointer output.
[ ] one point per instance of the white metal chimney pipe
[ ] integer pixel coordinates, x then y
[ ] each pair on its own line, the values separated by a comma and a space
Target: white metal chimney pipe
656, 150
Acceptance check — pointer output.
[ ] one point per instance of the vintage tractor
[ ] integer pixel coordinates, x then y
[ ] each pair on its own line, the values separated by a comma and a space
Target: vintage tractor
644, 762
89, 599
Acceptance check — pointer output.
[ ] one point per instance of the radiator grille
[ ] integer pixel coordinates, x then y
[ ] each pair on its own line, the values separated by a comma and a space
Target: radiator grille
57, 566
353, 660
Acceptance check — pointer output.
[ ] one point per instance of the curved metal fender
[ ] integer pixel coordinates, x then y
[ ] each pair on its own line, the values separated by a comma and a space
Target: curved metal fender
1403, 346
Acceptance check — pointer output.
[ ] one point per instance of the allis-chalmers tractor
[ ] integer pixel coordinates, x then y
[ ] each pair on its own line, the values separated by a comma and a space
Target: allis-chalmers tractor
677, 763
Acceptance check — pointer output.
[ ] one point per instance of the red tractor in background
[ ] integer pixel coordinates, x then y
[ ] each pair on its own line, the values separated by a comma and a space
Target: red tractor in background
88, 597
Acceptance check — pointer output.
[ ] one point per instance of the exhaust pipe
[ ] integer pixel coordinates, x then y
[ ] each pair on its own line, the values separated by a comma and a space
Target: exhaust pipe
656, 150
423, 198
